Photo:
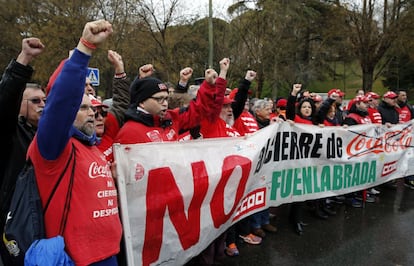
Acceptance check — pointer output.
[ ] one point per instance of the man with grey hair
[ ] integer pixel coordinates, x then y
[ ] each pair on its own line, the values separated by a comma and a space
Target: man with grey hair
19, 127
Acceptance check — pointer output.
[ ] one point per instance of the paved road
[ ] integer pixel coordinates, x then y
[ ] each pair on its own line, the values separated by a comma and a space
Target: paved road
382, 233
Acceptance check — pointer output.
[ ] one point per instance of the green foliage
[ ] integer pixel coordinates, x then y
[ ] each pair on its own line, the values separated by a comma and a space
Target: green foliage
399, 74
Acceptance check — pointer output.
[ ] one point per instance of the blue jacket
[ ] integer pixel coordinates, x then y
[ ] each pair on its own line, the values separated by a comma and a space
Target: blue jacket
49, 251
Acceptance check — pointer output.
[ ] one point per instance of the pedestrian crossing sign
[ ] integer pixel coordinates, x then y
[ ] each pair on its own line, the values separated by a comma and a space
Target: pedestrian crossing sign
93, 75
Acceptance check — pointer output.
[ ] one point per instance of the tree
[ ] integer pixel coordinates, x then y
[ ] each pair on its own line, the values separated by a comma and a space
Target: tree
399, 73
287, 41
374, 29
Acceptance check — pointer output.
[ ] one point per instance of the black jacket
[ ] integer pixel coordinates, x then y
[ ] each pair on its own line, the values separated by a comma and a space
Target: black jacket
388, 113
16, 133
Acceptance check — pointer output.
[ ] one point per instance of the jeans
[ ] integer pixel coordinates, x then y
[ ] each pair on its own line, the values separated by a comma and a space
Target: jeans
260, 218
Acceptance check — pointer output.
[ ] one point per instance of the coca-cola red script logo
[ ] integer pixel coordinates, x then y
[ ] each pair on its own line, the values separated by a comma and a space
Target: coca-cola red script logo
389, 142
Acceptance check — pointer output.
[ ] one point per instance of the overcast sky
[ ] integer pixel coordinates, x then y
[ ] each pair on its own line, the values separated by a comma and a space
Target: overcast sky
200, 7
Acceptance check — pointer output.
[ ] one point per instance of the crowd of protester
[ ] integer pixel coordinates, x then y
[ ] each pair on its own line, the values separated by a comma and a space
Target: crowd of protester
74, 120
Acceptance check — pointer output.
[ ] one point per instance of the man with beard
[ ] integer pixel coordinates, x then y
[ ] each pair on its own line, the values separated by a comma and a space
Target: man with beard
19, 127
84, 209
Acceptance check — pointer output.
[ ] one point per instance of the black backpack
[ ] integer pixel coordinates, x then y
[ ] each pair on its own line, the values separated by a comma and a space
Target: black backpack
24, 222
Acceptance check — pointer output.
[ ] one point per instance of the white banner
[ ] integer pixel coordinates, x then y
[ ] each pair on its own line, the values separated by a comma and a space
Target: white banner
177, 197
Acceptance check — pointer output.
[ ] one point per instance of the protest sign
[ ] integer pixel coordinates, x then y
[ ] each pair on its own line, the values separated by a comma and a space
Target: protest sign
177, 197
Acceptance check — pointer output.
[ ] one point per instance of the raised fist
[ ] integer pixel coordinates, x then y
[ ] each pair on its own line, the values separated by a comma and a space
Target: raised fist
250, 75
116, 61
31, 47
185, 74
146, 71
224, 64
210, 76
296, 88
96, 32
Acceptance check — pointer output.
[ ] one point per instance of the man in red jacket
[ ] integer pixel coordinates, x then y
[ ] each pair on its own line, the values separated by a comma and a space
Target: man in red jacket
150, 120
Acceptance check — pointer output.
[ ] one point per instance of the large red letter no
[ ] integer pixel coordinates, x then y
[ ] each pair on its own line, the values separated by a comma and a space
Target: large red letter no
217, 201
163, 192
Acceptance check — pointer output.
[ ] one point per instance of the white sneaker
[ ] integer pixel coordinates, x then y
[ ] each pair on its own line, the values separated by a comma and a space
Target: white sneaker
374, 191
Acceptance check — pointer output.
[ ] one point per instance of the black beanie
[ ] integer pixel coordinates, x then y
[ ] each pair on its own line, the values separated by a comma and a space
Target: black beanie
142, 89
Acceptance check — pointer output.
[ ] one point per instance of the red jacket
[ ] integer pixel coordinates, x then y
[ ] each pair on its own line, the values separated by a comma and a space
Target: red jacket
374, 115
404, 114
246, 123
299, 119
142, 128
329, 123
111, 130
359, 119
217, 129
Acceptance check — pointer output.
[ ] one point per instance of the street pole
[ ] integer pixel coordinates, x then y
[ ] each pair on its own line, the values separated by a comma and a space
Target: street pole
210, 34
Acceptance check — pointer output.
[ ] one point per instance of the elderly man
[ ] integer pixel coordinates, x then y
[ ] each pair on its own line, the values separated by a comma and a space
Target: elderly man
19, 127
87, 218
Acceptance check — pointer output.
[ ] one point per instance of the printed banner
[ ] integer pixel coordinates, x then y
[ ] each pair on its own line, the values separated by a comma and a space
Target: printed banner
177, 197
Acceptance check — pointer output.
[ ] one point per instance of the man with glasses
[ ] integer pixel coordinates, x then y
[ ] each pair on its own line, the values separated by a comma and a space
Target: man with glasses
18, 128
32, 105
148, 118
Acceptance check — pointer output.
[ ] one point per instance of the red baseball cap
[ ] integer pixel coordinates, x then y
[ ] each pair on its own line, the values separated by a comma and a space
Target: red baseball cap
281, 102
390, 95
361, 98
233, 93
96, 103
227, 100
372, 95
338, 91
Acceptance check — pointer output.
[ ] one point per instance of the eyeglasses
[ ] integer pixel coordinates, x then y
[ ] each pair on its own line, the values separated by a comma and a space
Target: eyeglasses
100, 112
160, 99
86, 107
36, 100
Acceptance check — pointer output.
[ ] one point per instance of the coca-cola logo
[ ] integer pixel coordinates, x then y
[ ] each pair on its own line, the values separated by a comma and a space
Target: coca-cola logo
96, 170
389, 142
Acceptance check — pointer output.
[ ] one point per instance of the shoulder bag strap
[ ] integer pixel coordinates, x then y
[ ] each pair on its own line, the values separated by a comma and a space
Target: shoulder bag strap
59, 180
68, 197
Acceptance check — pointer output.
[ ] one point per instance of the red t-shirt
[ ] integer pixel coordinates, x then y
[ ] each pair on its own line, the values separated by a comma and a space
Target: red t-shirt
93, 229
